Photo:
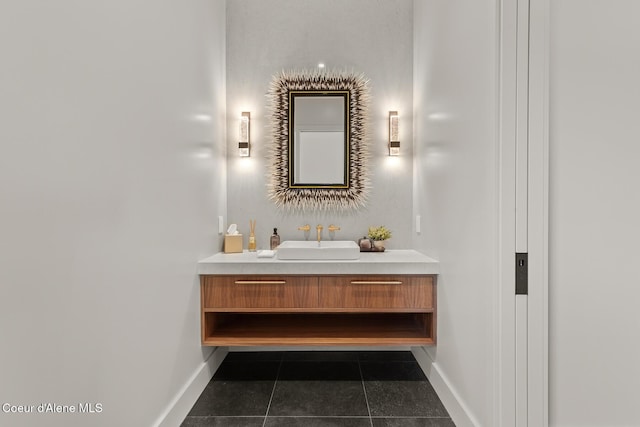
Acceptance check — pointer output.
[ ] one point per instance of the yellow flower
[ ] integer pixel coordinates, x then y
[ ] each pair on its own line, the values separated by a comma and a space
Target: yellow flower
379, 233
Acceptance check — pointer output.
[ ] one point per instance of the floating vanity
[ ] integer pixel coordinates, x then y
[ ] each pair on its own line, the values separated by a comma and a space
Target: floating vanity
379, 299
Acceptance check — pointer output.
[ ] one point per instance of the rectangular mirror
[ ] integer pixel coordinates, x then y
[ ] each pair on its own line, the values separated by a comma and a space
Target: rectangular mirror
318, 139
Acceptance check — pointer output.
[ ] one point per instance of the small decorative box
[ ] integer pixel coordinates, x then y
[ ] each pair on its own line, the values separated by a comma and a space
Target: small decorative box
232, 243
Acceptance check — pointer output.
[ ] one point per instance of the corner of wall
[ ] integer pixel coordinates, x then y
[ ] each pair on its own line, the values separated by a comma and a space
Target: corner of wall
458, 410
187, 396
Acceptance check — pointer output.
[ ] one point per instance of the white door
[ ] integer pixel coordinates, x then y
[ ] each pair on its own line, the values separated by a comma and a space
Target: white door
524, 23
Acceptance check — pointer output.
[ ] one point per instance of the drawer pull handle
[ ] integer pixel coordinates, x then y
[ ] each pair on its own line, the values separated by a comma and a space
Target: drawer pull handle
376, 282
260, 282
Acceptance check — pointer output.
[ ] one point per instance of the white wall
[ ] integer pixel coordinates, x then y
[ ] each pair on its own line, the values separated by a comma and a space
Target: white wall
374, 38
594, 210
455, 188
110, 189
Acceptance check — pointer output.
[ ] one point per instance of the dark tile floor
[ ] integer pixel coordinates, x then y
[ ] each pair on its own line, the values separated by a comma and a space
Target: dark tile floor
317, 389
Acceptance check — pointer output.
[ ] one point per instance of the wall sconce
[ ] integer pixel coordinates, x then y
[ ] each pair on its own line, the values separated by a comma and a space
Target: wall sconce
244, 140
394, 134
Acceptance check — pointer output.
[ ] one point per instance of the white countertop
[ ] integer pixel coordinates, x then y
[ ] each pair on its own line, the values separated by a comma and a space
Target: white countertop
391, 261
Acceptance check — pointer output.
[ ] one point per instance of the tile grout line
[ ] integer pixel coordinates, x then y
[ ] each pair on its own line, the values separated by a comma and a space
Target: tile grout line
273, 391
364, 389
359, 359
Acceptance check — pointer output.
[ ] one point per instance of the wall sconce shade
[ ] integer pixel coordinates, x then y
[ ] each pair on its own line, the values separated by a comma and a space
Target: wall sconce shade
244, 143
394, 134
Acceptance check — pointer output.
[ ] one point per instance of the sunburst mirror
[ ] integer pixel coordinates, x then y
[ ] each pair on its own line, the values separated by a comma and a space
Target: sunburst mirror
319, 148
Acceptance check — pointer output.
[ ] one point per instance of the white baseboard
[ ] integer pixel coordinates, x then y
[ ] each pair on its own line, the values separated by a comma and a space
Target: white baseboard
456, 407
187, 396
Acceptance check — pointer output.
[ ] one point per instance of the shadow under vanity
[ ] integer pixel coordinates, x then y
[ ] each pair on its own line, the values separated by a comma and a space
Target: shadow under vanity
380, 299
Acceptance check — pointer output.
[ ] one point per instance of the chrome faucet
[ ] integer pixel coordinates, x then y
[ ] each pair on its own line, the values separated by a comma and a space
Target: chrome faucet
319, 230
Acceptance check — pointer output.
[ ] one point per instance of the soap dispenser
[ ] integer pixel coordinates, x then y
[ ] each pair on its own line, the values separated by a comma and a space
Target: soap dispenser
275, 239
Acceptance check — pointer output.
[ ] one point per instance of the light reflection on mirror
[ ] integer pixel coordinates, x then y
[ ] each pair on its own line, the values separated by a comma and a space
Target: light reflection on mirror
319, 157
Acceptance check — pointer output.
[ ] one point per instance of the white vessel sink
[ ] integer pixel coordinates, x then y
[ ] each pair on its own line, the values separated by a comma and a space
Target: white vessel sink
329, 249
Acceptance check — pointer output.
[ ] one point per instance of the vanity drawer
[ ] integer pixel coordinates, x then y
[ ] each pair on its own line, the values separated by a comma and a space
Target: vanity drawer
258, 292
377, 292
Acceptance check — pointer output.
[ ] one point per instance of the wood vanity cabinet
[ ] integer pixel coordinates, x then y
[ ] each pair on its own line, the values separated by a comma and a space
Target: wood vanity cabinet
239, 310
